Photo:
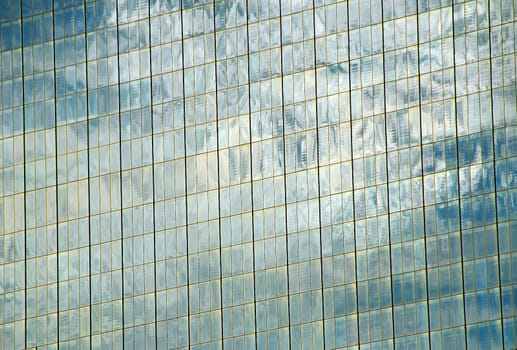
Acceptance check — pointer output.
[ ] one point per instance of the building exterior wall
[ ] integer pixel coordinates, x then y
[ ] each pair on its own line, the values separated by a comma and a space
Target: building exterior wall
248, 174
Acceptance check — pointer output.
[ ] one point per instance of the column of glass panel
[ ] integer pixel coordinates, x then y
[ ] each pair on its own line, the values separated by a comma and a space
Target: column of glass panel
476, 178
137, 176
234, 175
202, 175
369, 174
264, 57
503, 56
438, 128
409, 278
407, 229
336, 197
104, 171
169, 181
72, 177
41, 210
302, 193
12, 176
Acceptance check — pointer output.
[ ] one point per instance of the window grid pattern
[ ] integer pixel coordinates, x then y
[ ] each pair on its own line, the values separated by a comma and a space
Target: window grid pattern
258, 174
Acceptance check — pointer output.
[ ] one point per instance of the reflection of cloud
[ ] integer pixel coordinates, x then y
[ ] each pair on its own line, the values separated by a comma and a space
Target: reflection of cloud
111, 17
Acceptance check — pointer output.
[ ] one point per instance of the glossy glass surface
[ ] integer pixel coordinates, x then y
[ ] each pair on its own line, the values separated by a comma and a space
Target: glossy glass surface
258, 174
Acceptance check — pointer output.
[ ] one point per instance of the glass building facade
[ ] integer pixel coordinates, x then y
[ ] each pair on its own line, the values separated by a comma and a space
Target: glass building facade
258, 174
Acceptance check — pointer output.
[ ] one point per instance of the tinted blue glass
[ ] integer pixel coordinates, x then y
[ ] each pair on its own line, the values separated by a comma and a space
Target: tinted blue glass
241, 173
